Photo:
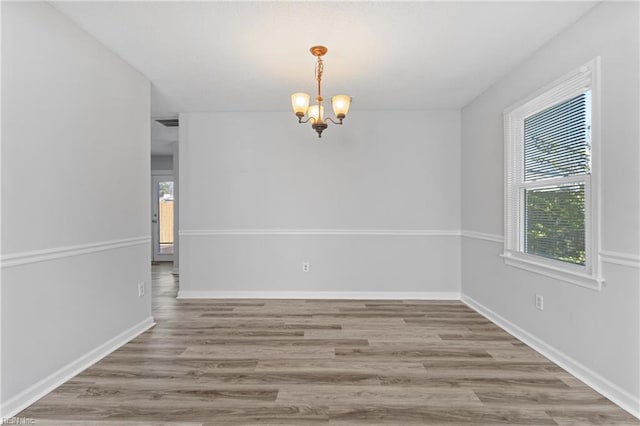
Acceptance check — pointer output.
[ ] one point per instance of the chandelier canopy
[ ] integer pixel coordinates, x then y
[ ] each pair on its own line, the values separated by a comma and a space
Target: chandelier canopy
315, 113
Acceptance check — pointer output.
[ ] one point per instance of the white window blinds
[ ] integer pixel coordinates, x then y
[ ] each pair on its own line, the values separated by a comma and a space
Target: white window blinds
557, 145
556, 140
554, 225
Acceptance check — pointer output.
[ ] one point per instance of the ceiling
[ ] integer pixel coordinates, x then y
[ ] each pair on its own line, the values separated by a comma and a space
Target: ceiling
250, 56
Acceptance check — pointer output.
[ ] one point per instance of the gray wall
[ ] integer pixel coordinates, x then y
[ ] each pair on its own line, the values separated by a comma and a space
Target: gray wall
75, 229
596, 334
374, 205
162, 162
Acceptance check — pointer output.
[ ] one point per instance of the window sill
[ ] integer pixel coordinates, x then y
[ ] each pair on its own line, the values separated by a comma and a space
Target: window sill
578, 278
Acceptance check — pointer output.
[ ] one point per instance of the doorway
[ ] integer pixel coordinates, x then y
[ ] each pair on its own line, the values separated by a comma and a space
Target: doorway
162, 218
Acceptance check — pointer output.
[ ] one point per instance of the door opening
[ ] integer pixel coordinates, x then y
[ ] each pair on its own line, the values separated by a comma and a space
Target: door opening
162, 219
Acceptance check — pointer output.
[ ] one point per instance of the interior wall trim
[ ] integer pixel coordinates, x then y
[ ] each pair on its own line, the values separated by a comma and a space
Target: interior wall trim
30, 395
348, 295
35, 256
619, 258
610, 390
482, 236
613, 257
330, 232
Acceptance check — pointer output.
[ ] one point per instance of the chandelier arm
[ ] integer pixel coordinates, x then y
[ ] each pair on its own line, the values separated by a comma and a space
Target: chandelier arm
334, 122
309, 119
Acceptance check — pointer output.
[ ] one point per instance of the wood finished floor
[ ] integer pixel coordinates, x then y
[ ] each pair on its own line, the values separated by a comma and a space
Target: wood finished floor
336, 362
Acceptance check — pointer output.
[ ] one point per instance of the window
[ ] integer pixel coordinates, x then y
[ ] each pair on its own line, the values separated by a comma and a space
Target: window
551, 190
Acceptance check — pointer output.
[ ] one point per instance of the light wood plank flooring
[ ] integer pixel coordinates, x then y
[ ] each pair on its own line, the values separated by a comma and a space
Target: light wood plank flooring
337, 362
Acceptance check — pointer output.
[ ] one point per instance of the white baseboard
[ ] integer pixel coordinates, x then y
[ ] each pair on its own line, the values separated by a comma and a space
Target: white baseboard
30, 395
355, 295
619, 396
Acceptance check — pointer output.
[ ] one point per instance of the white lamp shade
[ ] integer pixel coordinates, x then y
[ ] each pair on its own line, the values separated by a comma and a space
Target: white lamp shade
340, 105
300, 103
313, 112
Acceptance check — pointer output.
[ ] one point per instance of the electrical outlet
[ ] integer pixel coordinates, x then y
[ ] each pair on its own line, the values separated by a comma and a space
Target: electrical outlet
305, 266
539, 302
141, 289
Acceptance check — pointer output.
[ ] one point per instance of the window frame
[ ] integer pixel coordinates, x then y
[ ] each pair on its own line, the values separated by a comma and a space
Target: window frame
569, 86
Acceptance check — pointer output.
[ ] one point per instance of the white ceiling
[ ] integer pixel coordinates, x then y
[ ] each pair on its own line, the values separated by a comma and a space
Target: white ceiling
250, 56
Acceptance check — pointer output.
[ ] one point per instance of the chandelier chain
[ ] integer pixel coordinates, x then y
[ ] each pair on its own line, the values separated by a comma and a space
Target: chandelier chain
319, 70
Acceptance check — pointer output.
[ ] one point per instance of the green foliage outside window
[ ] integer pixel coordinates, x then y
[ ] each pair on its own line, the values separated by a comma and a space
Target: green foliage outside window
165, 188
555, 223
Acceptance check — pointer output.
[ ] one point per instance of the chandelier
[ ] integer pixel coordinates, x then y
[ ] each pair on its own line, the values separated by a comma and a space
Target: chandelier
300, 101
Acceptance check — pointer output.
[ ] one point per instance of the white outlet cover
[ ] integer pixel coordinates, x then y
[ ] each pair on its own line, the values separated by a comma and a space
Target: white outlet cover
539, 301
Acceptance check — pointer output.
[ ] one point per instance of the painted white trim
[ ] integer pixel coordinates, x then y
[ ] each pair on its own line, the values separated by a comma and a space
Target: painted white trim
384, 232
619, 258
568, 273
354, 295
30, 395
610, 390
1, 286
28, 257
494, 238
613, 257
